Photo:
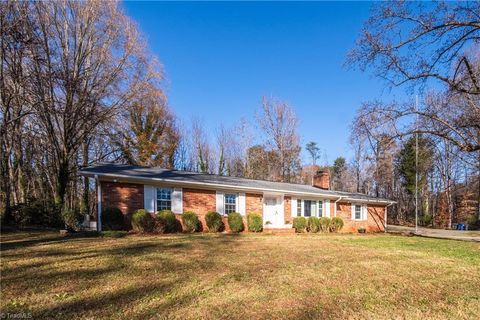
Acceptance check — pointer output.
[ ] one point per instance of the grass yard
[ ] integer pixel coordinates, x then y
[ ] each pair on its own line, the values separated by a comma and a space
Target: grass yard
240, 277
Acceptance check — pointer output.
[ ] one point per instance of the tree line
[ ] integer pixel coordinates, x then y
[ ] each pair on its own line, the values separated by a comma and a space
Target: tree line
79, 86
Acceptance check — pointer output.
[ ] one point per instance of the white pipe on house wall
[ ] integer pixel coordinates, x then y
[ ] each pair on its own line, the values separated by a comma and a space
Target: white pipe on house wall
99, 204
335, 206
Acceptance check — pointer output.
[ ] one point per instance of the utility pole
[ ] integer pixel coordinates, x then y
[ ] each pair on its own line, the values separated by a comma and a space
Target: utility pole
416, 164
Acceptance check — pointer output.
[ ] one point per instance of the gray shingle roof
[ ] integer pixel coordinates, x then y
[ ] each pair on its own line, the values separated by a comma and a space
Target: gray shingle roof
153, 173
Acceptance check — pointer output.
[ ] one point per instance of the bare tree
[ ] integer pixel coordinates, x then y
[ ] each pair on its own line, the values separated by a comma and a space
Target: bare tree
279, 123
314, 151
407, 42
86, 65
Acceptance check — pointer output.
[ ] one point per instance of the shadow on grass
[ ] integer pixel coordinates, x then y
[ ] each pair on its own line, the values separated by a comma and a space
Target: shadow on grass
40, 239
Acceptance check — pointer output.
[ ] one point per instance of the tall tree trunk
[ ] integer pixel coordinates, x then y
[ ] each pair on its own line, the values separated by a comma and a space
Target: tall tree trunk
86, 186
4, 173
63, 178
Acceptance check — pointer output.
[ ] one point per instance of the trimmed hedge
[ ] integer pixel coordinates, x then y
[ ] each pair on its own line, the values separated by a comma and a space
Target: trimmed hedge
336, 224
313, 224
142, 221
214, 221
235, 222
167, 217
299, 223
255, 222
325, 223
190, 221
112, 219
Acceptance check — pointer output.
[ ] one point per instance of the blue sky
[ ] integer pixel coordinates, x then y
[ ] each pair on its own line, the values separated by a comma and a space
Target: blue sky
221, 58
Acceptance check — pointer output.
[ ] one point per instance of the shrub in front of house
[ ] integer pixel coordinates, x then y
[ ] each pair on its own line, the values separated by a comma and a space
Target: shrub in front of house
325, 224
299, 224
235, 222
72, 219
112, 219
214, 221
313, 224
190, 221
255, 222
142, 221
167, 217
336, 224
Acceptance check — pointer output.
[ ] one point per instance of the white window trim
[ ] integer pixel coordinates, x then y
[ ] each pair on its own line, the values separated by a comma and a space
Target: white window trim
237, 204
312, 214
363, 212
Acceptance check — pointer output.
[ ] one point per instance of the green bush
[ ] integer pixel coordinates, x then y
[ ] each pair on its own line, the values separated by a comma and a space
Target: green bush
214, 221
313, 224
168, 218
36, 213
473, 222
299, 223
235, 222
336, 224
190, 221
112, 219
427, 219
325, 224
113, 234
254, 222
159, 224
142, 221
72, 219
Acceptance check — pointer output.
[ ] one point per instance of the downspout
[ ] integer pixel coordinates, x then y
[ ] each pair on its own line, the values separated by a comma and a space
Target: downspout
385, 217
335, 206
99, 204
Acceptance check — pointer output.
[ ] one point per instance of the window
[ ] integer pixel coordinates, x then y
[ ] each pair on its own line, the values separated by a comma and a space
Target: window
307, 208
164, 199
230, 203
358, 212
320, 208
299, 208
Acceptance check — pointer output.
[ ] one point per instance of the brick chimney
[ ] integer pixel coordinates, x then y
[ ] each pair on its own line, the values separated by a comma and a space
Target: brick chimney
321, 179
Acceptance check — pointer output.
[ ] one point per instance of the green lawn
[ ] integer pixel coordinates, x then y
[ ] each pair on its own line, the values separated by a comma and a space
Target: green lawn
240, 277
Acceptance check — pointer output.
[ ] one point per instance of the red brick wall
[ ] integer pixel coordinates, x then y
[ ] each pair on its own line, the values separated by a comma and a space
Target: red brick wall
199, 201
254, 203
375, 218
287, 209
128, 197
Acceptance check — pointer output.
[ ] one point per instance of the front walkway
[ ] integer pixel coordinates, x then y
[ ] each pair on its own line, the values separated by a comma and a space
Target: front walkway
438, 233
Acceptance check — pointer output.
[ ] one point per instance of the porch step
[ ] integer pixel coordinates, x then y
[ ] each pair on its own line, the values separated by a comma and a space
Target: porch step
279, 230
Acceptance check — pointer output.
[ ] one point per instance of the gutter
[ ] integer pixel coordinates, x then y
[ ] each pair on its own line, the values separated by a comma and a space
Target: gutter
335, 206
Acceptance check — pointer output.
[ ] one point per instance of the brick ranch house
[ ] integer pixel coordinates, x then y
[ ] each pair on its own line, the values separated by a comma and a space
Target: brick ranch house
130, 188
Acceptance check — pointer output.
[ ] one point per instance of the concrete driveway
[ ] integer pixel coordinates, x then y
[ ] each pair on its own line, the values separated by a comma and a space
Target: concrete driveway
438, 233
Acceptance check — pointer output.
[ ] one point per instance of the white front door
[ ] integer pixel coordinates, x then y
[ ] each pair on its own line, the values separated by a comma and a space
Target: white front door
272, 212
